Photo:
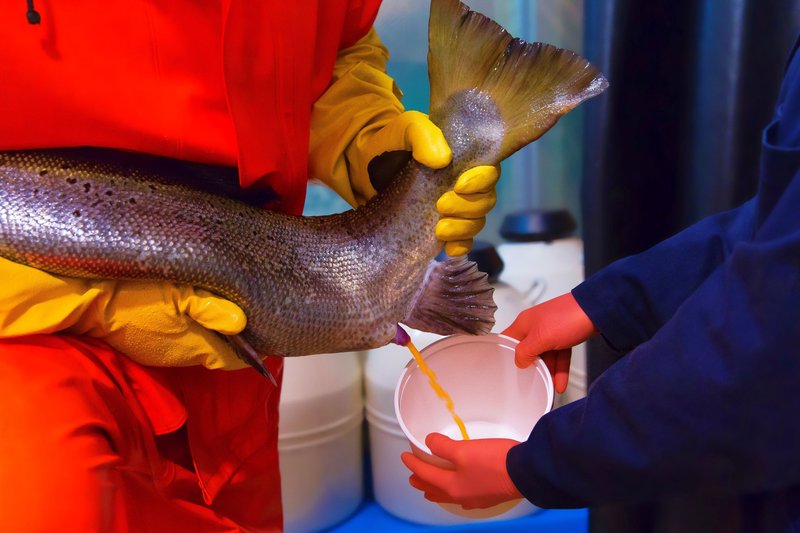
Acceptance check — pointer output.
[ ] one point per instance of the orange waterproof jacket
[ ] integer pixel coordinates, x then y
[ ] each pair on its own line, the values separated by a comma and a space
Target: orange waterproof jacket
229, 81
226, 82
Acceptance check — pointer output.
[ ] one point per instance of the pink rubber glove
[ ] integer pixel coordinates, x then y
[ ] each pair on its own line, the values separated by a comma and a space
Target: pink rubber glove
550, 330
478, 479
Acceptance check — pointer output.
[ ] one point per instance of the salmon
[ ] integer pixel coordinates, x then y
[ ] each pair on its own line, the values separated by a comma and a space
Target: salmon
308, 285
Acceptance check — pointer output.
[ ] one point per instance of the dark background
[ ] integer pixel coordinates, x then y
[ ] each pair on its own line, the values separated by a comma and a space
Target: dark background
676, 137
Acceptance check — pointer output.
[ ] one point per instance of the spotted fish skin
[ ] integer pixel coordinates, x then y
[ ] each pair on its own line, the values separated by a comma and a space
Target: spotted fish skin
307, 284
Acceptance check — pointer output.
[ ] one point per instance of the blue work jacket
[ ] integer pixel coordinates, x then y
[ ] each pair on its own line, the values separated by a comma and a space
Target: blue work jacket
707, 398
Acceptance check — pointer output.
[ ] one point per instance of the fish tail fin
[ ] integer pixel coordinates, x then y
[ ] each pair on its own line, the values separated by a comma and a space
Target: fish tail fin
455, 298
474, 64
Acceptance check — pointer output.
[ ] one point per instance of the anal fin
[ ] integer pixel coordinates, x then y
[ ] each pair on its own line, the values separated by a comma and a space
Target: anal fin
248, 354
455, 297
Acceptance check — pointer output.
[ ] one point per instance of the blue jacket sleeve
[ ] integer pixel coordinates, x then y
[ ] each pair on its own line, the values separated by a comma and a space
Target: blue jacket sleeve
629, 300
710, 401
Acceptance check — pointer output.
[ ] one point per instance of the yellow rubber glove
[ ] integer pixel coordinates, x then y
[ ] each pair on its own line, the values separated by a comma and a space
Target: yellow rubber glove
156, 324
464, 209
360, 117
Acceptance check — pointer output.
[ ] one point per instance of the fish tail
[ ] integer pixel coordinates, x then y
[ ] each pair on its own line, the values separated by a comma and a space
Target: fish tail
474, 65
455, 298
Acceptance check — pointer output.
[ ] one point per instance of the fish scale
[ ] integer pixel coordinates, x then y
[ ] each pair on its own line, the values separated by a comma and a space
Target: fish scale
307, 285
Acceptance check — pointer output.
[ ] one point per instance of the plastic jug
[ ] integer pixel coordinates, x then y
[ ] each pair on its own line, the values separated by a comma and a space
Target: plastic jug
320, 441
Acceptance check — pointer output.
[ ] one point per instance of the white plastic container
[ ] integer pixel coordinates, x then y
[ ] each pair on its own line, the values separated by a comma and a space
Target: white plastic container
557, 264
511, 302
494, 398
320, 440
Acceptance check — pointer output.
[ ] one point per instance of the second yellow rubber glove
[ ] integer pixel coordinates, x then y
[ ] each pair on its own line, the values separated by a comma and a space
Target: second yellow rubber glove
464, 209
360, 117
156, 324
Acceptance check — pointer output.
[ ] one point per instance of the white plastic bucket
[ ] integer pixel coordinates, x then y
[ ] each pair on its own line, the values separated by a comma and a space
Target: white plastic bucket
511, 302
320, 441
494, 398
557, 266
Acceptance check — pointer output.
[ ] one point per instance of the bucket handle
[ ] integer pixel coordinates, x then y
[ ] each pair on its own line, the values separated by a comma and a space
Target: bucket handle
535, 291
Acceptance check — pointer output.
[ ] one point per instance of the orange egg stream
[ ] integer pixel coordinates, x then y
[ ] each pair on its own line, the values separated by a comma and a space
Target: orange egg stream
438, 389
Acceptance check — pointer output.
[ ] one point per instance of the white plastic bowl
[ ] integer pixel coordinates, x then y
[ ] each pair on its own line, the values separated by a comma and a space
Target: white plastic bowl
493, 397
